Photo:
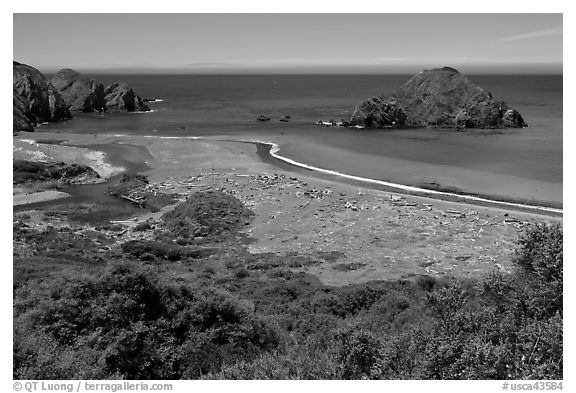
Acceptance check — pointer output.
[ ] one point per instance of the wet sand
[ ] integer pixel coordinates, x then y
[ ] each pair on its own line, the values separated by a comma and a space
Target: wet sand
21, 197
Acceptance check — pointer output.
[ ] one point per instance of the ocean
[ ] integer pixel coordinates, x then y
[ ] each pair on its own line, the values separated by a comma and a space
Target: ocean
514, 164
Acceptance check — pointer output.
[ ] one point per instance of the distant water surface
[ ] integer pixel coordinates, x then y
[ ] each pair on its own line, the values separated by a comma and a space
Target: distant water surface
523, 164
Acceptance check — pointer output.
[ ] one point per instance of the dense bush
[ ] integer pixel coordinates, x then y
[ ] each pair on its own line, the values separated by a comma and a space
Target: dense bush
127, 323
209, 213
146, 250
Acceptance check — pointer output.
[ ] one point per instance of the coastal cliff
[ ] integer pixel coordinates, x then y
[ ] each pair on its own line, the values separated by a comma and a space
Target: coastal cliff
34, 99
38, 100
441, 97
87, 95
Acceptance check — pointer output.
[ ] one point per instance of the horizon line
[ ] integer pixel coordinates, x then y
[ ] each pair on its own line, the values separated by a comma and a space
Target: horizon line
140, 71
531, 68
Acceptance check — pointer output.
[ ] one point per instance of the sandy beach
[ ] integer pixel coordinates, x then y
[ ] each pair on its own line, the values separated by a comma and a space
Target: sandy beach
380, 235
20, 196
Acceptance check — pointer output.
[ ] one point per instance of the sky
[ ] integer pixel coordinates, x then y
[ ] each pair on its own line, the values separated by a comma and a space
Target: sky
289, 43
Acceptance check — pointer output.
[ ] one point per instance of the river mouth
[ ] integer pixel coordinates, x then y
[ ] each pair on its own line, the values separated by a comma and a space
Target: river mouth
89, 203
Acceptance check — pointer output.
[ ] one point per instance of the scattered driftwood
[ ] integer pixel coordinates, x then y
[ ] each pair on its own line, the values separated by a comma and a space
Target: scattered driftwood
140, 203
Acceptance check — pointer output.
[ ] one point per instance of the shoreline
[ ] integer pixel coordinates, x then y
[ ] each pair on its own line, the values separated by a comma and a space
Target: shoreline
441, 194
272, 151
275, 149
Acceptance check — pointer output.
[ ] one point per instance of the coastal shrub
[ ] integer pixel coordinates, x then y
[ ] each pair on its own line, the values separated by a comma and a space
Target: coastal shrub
127, 323
358, 352
147, 257
307, 362
540, 252
209, 213
241, 273
540, 263
138, 247
143, 226
164, 250
427, 283
174, 254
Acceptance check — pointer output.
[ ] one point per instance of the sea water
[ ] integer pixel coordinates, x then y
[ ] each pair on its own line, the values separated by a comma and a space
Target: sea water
520, 164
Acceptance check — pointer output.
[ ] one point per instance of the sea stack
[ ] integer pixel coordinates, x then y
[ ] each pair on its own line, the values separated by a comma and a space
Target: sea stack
88, 95
34, 99
441, 97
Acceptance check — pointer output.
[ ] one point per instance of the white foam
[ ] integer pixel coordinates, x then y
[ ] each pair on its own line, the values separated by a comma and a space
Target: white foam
174, 137
99, 164
150, 111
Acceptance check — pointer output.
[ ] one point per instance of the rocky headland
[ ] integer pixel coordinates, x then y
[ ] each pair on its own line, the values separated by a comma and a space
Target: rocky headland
37, 100
441, 97
88, 95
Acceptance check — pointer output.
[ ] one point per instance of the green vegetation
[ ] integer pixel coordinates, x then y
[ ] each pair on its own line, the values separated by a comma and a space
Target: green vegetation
127, 323
207, 214
160, 309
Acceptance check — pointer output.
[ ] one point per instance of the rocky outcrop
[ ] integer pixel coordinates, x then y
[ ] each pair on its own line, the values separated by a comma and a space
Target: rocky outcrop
120, 97
30, 171
34, 99
379, 112
441, 97
87, 95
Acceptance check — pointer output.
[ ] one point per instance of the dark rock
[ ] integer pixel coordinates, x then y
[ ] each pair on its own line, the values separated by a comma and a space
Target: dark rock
87, 95
120, 97
436, 98
73, 88
263, 118
23, 119
34, 99
28, 171
379, 112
